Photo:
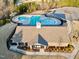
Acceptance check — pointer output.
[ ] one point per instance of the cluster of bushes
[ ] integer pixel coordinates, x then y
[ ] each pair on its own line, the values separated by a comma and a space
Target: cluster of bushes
3, 22
32, 6
5, 18
26, 7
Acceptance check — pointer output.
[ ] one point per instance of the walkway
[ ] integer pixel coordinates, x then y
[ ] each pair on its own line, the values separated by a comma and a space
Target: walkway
5, 32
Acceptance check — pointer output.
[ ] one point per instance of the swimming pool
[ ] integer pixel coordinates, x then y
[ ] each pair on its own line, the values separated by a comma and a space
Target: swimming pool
31, 20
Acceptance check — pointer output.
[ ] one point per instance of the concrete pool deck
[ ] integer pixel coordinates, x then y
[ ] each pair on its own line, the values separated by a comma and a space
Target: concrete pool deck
54, 34
32, 32
55, 57
43, 57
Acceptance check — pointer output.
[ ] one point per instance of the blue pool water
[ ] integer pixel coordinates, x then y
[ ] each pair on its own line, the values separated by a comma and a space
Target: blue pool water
45, 21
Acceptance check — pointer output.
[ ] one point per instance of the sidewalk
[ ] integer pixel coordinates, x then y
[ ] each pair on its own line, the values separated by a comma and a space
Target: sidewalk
5, 32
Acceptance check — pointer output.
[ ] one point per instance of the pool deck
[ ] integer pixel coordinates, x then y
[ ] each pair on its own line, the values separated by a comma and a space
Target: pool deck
43, 57
30, 32
53, 34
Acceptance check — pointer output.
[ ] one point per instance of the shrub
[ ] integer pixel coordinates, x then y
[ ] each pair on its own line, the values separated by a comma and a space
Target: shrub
5, 21
26, 7
2, 22
32, 6
22, 8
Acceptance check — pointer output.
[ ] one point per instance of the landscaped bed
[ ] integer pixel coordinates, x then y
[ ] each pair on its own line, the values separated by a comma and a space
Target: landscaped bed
23, 47
68, 48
